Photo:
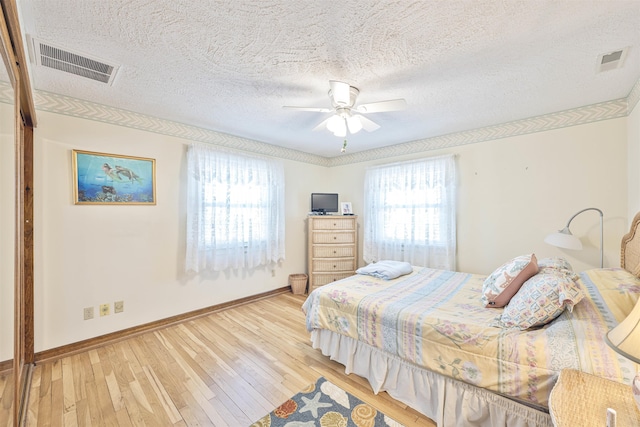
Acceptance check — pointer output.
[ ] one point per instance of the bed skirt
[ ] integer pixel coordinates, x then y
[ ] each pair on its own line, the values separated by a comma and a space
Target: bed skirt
448, 402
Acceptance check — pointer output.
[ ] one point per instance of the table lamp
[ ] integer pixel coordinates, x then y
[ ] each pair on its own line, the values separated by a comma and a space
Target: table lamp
625, 339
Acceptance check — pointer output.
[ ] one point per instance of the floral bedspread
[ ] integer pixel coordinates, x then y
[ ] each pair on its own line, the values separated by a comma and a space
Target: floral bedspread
436, 319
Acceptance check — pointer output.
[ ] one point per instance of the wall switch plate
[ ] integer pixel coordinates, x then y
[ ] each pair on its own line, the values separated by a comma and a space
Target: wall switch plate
88, 313
104, 309
118, 306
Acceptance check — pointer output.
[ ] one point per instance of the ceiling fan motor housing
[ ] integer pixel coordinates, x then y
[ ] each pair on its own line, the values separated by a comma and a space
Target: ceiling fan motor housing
337, 103
343, 112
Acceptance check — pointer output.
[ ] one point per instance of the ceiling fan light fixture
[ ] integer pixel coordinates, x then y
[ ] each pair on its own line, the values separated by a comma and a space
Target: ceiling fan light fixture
341, 128
333, 123
343, 99
354, 124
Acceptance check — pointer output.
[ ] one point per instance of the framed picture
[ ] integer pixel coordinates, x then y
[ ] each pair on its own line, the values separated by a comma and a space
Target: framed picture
346, 208
113, 179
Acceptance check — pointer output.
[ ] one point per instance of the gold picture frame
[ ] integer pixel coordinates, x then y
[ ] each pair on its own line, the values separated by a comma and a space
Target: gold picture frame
113, 179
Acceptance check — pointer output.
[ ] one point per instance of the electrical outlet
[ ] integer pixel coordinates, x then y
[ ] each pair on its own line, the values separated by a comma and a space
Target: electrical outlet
104, 310
88, 313
118, 306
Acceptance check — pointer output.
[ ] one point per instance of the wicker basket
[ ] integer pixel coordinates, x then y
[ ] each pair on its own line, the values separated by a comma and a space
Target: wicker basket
298, 283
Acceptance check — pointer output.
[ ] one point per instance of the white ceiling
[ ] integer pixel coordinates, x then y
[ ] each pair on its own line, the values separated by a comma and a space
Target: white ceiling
230, 65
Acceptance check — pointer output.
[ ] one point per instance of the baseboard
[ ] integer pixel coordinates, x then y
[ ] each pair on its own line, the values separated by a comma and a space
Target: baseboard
80, 346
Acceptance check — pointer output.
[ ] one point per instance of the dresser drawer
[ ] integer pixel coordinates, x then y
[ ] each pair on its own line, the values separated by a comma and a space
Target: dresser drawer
333, 251
321, 279
334, 224
329, 237
322, 265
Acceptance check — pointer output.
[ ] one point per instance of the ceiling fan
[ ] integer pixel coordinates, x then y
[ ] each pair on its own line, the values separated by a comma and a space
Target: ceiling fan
346, 115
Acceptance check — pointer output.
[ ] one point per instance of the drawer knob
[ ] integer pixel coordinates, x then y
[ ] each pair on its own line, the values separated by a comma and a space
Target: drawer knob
335, 252
334, 266
334, 237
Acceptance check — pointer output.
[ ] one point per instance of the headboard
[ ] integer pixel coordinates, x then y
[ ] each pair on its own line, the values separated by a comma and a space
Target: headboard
630, 248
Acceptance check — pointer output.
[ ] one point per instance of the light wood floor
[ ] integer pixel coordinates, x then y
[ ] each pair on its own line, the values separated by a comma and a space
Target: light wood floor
6, 398
228, 368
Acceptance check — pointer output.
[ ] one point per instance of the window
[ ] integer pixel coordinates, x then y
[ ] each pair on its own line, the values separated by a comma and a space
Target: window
235, 210
410, 212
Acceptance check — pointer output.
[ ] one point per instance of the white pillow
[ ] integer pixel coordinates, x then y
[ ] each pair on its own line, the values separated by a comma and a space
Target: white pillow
551, 264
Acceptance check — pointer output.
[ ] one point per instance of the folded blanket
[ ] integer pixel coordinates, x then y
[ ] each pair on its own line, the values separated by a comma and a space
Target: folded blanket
386, 269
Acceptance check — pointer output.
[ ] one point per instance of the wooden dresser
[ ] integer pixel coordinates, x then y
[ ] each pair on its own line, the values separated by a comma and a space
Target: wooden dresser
333, 248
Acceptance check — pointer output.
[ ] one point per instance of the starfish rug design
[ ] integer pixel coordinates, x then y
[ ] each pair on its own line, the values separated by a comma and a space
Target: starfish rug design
324, 404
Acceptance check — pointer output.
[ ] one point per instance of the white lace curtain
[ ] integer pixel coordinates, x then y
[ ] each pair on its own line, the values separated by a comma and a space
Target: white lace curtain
235, 210
410, 212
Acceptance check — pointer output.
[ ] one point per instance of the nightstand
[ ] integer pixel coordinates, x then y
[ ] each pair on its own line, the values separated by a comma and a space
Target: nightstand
580, 399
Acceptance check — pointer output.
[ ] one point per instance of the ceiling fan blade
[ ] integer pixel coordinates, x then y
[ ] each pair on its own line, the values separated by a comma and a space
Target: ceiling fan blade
367, 124
314, 109
382, 106
321, 125
339, 92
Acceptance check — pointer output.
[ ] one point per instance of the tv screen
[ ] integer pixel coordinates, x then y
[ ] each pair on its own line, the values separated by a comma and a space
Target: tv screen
324, 202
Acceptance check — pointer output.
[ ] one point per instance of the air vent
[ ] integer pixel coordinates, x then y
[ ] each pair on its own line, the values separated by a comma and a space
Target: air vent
48, 55
612, 60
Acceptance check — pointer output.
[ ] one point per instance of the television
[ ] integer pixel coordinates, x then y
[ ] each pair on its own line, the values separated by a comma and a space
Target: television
324, 202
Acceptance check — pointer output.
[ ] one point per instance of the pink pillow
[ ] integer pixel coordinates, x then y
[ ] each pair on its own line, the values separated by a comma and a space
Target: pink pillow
504, 282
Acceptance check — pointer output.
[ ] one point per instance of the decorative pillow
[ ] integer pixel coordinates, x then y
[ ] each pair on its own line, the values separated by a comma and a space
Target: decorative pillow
540, 300
555, 262
551, 265
503, 283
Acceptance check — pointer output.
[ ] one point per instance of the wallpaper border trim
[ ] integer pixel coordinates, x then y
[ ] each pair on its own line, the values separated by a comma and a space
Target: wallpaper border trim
65, 105
577, 116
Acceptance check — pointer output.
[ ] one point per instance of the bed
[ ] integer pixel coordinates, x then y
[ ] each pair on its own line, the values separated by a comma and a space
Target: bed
428, 339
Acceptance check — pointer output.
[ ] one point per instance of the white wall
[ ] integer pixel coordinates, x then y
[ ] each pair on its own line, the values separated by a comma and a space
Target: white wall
89, 255
633, 158
514, 191
7, 229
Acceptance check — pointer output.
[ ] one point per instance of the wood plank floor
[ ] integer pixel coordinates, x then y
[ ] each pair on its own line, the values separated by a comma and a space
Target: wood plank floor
228, 368
6, 398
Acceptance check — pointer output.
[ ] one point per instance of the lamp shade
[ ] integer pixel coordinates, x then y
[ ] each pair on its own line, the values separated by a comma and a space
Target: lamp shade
333, 123
625, 338
564, 239
354, 124
341, 128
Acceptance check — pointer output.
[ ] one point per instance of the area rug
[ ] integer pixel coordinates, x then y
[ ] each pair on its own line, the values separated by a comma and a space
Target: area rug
326, 405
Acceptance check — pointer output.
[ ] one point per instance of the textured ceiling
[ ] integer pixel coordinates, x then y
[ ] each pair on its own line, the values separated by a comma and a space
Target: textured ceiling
230, 65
